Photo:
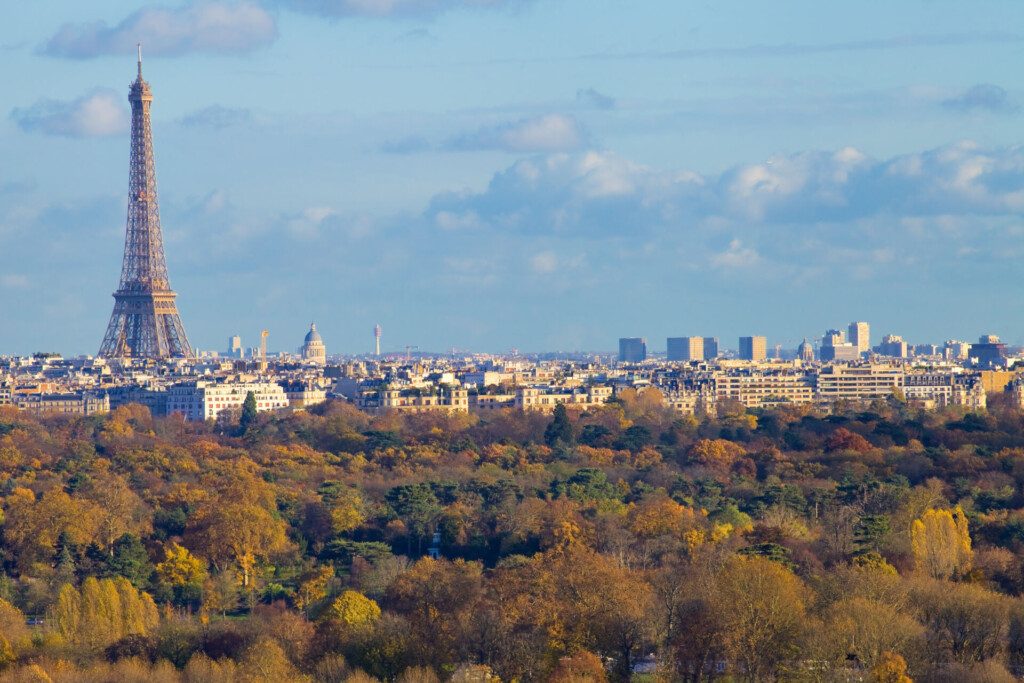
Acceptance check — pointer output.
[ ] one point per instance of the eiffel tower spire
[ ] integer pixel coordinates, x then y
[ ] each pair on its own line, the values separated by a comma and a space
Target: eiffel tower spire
145, 322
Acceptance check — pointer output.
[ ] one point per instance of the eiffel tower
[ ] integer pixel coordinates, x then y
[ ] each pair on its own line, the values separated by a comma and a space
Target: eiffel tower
145, 322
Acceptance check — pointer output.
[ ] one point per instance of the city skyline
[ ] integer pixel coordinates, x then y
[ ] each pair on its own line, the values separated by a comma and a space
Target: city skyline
743, 175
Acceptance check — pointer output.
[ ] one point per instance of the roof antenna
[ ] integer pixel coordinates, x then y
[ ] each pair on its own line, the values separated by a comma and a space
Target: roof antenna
139, 45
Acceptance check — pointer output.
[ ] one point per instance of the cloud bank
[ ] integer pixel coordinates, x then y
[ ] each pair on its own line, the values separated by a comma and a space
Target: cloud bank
600, 194
221, 27
97, 114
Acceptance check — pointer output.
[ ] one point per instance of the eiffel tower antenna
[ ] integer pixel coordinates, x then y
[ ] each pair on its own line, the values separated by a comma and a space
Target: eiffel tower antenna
145, 322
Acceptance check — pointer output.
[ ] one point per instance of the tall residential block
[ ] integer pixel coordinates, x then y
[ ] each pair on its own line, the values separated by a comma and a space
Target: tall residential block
632, 349
686, 348
753, 348
710, 348
860, 336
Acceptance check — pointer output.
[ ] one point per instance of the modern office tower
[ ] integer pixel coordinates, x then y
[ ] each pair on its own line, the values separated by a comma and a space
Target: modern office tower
632, 349
835, 348
753, 348
235, 346
893, 345
955, 349
145, 322
710, 348
686, 348
832, 338
989, 352
377, 329
860, 336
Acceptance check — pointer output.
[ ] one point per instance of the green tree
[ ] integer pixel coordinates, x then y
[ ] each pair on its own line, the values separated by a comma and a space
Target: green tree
417, 507
248, 417
559, 431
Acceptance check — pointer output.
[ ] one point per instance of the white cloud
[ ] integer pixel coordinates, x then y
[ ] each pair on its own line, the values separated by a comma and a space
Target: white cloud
736, 256
544, 262
199, 27
548, 133
447, 220
99, 113
307, 225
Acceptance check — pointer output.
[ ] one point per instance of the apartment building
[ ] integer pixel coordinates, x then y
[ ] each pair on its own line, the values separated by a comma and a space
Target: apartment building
205, 400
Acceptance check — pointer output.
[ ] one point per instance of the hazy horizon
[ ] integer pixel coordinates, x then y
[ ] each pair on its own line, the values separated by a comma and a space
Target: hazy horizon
520, 174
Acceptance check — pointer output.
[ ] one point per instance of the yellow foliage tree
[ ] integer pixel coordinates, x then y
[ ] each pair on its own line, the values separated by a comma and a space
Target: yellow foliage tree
181, 567
347, 512
891, 668
352, 608
240, 523
314, 590
941, 543
104, 610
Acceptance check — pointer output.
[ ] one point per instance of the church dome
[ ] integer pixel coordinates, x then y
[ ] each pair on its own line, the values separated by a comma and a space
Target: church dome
313, 336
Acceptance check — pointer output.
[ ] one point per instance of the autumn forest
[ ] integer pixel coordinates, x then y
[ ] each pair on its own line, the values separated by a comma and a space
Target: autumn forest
869, 543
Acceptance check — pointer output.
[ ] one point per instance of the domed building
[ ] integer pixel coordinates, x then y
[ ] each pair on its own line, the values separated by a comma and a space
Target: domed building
313, 349
805, 351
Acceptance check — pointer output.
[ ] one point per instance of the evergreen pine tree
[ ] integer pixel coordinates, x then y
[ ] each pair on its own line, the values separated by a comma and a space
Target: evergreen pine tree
248, 413
559, 431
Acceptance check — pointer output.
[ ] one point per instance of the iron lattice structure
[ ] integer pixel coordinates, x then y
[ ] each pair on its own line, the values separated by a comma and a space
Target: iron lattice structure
145, 322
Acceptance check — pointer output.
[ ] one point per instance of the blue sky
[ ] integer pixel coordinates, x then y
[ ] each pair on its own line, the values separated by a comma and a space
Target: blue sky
543, 175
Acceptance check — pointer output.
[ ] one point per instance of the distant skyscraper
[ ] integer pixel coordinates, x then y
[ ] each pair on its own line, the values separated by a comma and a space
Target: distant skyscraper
989, 352
235, 346
832, 338
859, 334
753, 348
145, 322
956, 350
893, 345
835, 348
710, 348
377, 329
686, 348
632, 349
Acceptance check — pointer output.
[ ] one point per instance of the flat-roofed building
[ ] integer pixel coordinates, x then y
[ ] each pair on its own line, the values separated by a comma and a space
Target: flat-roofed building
762, 390
710, 348
893, 345
858, 382
632, 349
533, 398
685, 348
859, 334
988, 353
205, 400
753, 348
414, 400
